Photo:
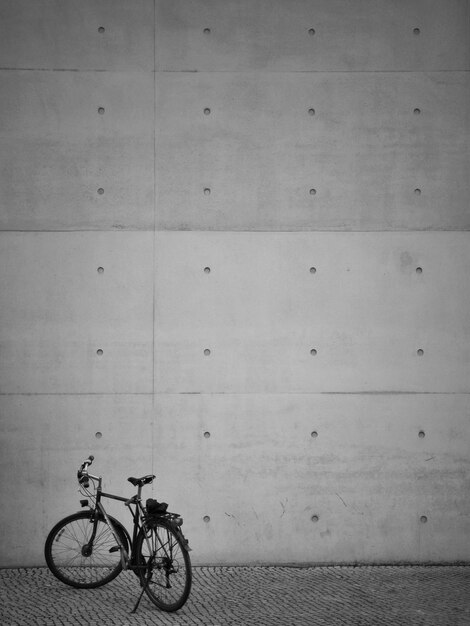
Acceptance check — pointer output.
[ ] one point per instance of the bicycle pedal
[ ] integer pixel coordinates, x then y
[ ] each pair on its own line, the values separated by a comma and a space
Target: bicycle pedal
114, 549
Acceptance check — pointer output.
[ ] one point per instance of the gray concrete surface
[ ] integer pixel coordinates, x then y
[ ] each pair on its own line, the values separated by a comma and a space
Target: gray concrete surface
306, 398
356, 596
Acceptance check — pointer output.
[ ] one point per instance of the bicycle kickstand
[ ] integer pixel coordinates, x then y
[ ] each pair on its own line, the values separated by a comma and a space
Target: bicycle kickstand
144, 587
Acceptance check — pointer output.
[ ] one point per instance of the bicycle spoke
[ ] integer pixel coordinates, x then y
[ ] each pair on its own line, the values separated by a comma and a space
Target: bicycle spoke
169, 581
76, 561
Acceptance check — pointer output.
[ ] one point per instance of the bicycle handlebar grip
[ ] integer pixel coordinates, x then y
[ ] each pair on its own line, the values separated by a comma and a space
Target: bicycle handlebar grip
87, 462
82, 473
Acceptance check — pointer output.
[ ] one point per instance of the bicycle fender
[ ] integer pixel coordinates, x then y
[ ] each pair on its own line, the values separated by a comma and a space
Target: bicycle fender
119, 526
177, 529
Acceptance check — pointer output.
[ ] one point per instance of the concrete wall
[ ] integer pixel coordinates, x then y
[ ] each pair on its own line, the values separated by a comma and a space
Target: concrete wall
235, 253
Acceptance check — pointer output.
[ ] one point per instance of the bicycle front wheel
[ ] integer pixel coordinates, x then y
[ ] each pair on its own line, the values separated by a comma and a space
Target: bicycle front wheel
167, 572
77, 560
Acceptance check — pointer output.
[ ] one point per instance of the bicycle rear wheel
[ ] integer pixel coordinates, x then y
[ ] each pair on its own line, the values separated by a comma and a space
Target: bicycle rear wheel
76, 562
167, 564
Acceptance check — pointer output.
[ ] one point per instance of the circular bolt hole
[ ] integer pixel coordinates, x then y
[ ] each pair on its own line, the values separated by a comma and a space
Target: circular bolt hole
314, 434
313, 270
419, 270
100, 270
207, 352
206, 518
420, 352
207, 434
423, 519
98, 435
207, 191
101, 191
311, 111
99, 352
207, 111
101, 29
313, 192
421, 434
207, 270
416, 31
417, 192
313, 352
315, 518
207, 31
311, 31
417, 111
101, 110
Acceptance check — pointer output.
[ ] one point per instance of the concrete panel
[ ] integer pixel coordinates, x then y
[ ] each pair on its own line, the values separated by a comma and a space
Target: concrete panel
367, 311
64, 34
43, 440
276, 35
59, 150
368, 476
60, 310
380, 151
302, 396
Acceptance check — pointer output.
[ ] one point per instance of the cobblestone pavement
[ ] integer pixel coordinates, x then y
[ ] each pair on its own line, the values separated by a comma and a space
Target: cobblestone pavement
222, 596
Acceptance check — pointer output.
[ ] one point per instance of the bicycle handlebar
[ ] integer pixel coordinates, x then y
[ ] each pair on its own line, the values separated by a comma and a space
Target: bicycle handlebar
82, 473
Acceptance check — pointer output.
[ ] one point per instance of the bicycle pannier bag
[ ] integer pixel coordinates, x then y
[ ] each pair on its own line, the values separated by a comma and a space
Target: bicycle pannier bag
156, 508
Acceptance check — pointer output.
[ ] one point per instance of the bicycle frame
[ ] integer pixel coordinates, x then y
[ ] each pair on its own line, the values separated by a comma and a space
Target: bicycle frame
137, 517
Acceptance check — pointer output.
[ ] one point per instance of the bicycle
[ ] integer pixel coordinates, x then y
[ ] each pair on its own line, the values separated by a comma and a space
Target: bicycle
90, 548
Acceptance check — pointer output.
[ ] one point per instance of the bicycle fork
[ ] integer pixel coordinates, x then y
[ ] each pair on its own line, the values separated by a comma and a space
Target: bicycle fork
121, 547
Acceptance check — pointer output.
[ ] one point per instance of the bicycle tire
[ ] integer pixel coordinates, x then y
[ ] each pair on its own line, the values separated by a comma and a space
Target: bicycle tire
64, 551
163, 550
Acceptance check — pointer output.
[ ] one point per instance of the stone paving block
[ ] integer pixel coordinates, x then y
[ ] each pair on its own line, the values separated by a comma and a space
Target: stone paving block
226, 596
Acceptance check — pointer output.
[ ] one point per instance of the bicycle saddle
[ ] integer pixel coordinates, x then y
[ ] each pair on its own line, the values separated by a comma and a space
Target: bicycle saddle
140, 482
